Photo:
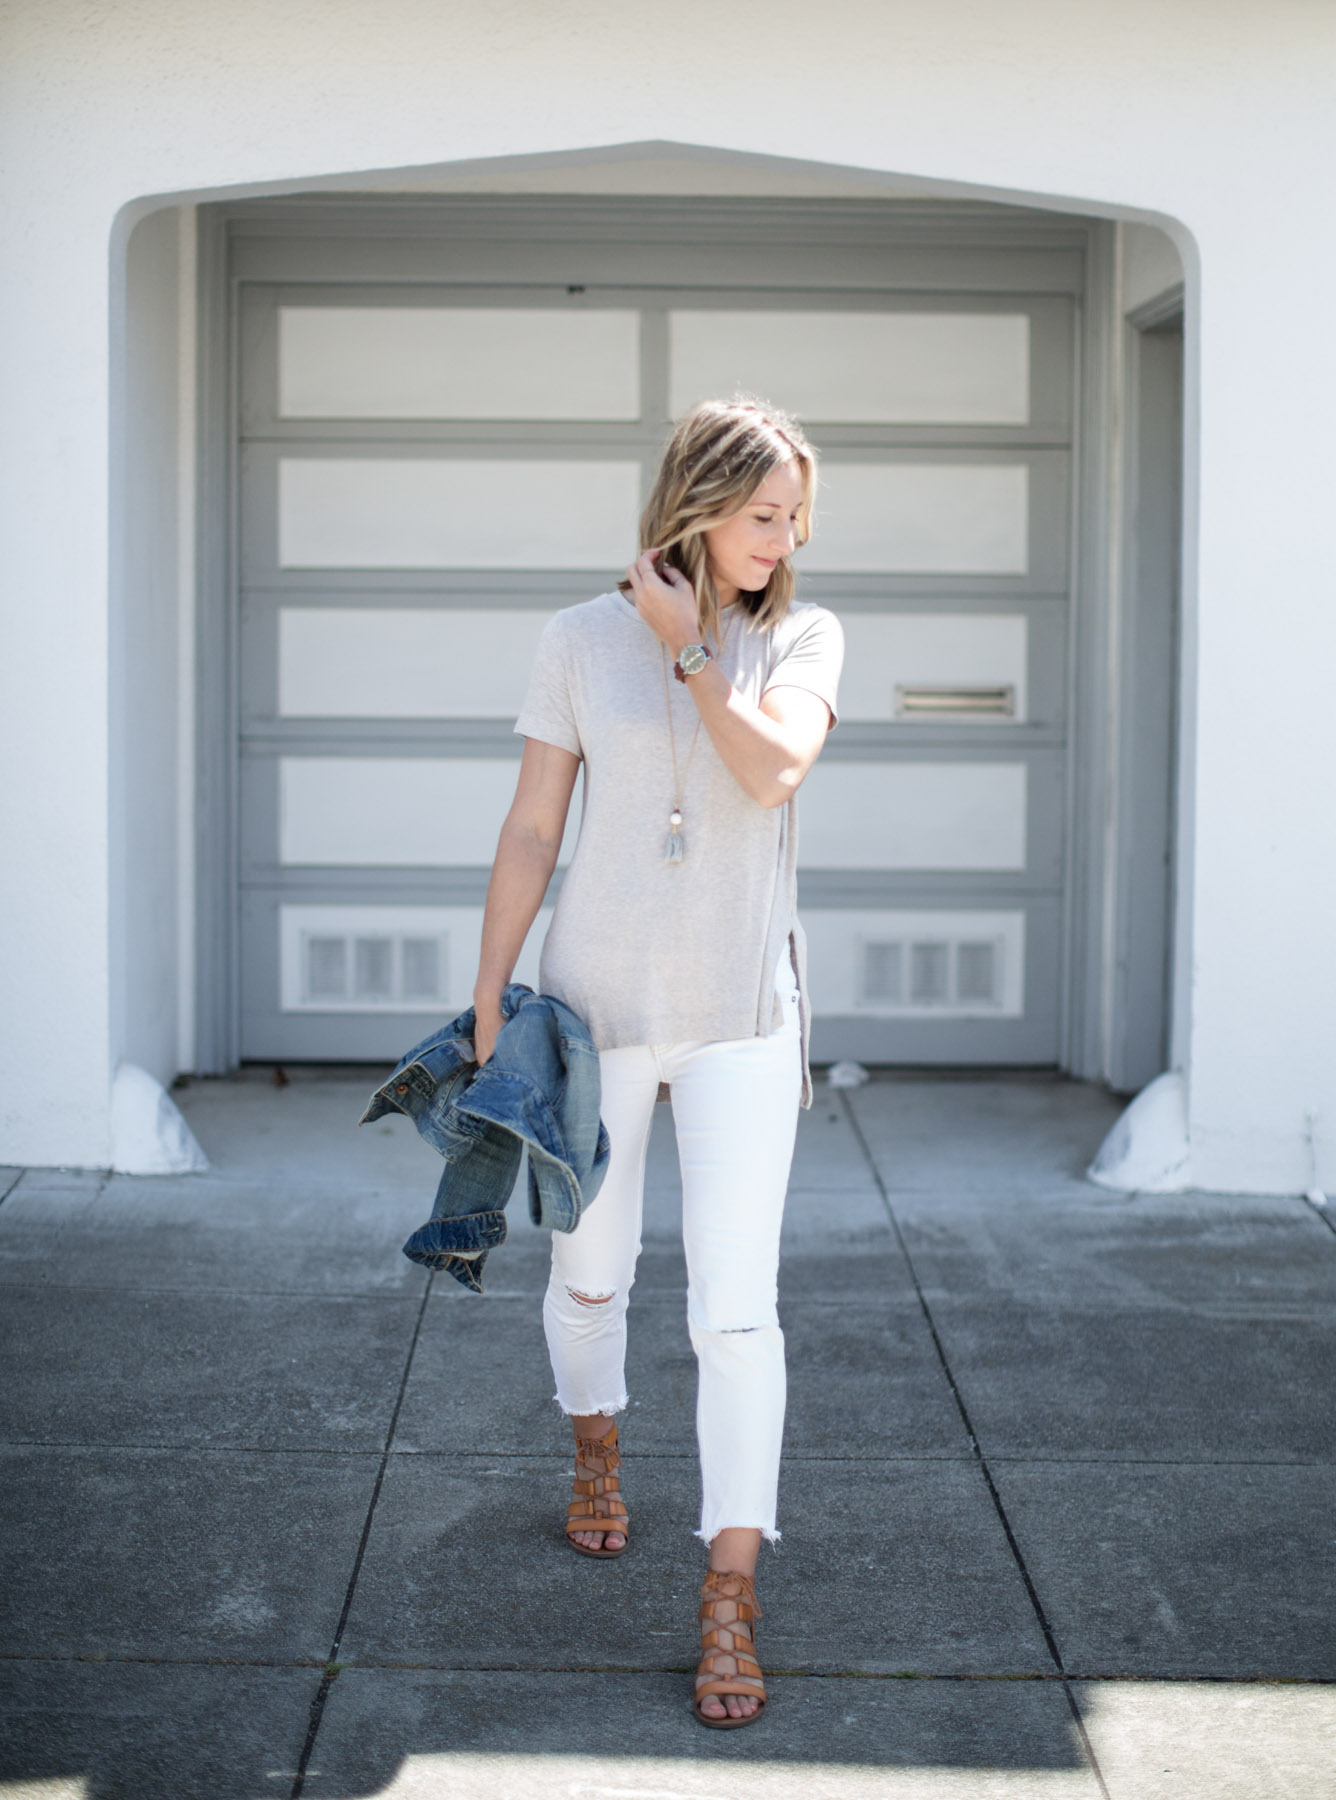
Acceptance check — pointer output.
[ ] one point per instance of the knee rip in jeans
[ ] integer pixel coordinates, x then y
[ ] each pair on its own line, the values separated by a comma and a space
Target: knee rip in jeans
589, 1299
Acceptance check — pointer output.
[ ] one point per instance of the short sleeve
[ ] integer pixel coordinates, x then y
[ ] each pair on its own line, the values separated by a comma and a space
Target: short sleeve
548, 712
812, 658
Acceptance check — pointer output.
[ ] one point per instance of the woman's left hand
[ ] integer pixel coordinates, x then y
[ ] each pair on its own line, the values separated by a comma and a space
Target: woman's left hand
666, 601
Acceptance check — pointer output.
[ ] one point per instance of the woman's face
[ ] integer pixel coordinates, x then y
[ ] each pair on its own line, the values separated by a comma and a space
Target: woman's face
743, 550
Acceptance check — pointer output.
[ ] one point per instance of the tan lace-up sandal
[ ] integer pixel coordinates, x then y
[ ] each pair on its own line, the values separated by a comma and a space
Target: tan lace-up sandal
596, 1501
728, 1664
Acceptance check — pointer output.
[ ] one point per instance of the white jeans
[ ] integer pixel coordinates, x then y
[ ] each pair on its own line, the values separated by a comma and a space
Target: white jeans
735, 1109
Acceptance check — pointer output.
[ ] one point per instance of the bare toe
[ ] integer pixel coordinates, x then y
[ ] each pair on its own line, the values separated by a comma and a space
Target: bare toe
728, 1659
596, 1494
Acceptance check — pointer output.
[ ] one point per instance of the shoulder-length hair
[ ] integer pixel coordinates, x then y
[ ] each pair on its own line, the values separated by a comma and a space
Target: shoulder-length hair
719, 454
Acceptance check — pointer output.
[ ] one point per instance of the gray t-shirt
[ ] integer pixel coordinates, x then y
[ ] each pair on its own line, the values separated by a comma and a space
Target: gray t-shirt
643, 950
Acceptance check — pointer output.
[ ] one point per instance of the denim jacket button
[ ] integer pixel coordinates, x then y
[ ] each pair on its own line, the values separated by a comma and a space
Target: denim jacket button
402, 1088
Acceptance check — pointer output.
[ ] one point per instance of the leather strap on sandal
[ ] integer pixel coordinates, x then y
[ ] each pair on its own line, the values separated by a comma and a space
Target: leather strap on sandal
596, 1501
728, 1662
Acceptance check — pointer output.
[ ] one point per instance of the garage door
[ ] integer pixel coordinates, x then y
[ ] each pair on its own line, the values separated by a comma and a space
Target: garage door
429, 467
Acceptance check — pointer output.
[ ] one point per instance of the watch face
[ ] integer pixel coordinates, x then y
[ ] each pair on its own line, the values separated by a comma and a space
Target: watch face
693, 659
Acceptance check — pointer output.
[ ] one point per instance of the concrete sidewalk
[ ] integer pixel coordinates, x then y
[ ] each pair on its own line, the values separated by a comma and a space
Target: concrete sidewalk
1057, 1502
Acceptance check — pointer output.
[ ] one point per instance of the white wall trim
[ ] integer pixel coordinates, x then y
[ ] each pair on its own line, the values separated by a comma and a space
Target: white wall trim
1090, 671
187, 436
215, 671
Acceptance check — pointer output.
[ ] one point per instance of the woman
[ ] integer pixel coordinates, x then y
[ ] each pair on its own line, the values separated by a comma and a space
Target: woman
698, 696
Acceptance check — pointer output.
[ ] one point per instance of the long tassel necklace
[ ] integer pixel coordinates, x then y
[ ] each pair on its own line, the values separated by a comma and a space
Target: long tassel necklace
675, 848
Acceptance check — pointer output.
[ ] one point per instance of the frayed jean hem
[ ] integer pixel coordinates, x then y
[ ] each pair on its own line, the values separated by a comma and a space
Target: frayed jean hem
771, 1536
589, 1412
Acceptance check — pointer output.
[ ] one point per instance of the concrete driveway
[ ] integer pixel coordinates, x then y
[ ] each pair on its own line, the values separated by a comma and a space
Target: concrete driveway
282, 1515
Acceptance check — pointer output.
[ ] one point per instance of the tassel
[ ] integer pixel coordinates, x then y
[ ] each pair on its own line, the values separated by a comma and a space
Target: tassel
674, 848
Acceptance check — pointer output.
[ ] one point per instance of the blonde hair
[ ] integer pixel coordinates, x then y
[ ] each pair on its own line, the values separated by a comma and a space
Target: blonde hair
719, 454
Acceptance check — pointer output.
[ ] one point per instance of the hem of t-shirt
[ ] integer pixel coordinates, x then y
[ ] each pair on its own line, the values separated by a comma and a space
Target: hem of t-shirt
719, 1029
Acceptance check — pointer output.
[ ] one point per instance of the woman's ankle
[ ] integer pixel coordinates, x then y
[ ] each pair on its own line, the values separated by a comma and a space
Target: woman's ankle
592, 1425
734, 1550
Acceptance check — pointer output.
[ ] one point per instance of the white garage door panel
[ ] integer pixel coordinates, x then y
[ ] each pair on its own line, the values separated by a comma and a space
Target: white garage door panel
418, 362
383, 958
921, 518
920, 815
404, 662
872, 368
964, 650
429, 513
397, 811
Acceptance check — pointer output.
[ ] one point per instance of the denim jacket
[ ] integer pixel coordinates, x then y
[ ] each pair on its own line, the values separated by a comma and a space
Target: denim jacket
539, 1090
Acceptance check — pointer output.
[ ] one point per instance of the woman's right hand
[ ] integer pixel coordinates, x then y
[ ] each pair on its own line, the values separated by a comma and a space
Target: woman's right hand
665, 600
487, 1023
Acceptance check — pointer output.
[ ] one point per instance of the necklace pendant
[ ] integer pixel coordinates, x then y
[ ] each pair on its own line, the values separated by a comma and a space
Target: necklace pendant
674, 848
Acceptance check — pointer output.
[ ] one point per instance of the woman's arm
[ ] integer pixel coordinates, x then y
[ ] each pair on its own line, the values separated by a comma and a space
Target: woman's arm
526, 855
769, 748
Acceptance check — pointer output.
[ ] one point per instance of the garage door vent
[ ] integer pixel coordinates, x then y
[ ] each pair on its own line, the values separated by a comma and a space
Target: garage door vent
955, 702
932, 974
373, 970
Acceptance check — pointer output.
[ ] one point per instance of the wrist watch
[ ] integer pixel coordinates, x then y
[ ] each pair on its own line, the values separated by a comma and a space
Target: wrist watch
692, 660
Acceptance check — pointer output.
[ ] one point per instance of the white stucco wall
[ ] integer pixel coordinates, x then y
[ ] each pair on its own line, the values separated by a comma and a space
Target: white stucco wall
1127, 108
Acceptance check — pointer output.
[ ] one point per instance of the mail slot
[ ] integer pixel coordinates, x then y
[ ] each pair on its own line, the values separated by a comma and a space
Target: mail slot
955, 702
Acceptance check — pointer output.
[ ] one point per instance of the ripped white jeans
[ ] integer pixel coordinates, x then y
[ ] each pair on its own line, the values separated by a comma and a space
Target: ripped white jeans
735, 1110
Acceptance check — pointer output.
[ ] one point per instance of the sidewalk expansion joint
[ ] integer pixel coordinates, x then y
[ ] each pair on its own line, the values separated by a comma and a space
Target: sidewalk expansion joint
198, 1290
1041, 1617
119, 1445
686, 1454
332, 1665
1114, 1460
109, 1659
103, 1183
690, 1668
368, 1666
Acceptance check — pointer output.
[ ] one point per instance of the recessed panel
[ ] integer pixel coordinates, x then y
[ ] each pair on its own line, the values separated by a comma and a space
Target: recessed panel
420, 362
438, 513
924, 964
404, 662
913, 815
925, 518
942, 368
398, 811
397, 959
920, 652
